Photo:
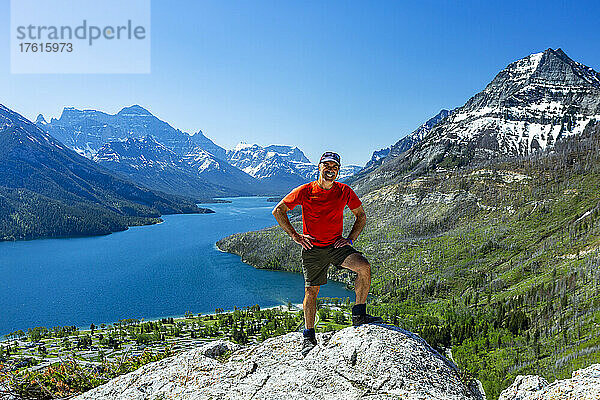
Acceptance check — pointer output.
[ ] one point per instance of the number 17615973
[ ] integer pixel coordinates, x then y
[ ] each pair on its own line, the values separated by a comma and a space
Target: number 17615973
46, 47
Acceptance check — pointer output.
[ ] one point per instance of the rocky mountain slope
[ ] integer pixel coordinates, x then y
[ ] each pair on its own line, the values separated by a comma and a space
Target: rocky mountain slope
267, 162
48, 190
527, 107
154, 165
348, 171
371, 361
204, 172
404, 144
279, 167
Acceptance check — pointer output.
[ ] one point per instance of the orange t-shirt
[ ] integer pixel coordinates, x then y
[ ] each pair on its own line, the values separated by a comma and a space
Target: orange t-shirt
322, 210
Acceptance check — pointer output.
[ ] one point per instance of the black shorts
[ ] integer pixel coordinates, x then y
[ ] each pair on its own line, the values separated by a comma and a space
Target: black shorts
316, 261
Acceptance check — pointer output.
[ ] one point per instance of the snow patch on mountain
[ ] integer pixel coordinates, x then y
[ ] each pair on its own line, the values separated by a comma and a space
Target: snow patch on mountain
346, 171
528, 106
137, 153
275, 160
523, 68
201, 160
243, 145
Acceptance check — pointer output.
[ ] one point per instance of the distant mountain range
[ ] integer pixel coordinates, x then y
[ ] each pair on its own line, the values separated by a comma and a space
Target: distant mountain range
152, 164
197, 174
141, 147
279, 166
86, 131
48, 190
270, 161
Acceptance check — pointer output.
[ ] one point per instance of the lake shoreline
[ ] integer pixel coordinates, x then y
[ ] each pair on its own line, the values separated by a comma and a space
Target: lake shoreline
147, 272
83, 329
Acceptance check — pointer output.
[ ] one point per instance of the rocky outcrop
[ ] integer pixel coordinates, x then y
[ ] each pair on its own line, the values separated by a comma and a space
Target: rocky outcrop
371, 361
584, 385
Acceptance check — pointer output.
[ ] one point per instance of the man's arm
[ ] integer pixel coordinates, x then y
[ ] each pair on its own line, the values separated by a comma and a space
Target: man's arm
359, 224
280, 213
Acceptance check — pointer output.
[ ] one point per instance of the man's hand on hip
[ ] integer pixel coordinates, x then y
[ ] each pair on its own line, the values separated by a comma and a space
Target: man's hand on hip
303, 240
341, 242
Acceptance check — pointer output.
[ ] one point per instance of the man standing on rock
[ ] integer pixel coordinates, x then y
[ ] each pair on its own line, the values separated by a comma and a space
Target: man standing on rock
323, 203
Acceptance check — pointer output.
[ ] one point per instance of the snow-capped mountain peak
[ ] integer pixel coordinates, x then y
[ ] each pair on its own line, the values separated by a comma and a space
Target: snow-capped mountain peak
528, 106
274, 160
525, 67
244, 145
280, 166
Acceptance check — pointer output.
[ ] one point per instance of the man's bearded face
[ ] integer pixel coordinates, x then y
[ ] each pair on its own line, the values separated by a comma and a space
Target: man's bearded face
329, 170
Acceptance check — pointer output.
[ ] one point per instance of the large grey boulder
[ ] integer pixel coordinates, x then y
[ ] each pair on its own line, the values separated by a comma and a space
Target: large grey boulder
584, 385
370, 361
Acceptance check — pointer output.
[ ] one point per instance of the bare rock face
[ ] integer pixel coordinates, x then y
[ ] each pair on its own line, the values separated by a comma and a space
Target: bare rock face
584, 385
523, 386
370, 361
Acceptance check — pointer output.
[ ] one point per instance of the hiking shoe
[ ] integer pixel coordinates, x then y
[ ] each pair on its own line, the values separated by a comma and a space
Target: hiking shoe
307, 345
364, 319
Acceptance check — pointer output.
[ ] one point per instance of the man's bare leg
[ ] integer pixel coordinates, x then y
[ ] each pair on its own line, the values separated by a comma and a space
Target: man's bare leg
310, 311
310, 305
358, 263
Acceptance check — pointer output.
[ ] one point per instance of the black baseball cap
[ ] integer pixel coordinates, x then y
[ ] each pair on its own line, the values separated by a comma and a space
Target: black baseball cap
330, 156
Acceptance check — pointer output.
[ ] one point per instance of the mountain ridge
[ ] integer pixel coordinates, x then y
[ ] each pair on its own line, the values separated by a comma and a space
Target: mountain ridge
527, 107
279, 166
87, 130
154, 165
48, 190
402, 145
149, 162
201, 169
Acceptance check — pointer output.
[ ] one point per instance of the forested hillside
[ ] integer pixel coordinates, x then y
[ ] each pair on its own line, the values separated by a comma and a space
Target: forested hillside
497, 262
48, 190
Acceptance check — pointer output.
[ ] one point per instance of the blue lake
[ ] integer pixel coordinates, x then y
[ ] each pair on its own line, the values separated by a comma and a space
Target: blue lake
144, 272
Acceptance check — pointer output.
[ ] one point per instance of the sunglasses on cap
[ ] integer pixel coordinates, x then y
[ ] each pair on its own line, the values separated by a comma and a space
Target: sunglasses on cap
330, 156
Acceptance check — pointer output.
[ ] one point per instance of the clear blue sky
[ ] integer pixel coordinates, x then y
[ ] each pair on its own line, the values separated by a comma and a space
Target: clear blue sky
343, 75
